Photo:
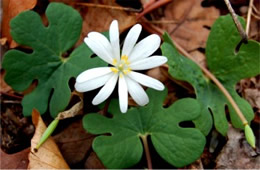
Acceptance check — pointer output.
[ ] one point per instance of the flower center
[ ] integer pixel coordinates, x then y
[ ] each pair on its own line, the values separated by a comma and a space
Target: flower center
122, 66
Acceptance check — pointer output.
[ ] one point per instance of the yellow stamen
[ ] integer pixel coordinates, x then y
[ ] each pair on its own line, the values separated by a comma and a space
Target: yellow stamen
120, 75
125, 59
115, 70
127, 71
114, 61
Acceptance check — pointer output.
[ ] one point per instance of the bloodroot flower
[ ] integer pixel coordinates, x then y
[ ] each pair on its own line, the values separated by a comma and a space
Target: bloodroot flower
133, 57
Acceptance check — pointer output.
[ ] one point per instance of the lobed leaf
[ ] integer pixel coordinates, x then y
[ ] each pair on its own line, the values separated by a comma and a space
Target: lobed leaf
227, 65
46, 63
178, 146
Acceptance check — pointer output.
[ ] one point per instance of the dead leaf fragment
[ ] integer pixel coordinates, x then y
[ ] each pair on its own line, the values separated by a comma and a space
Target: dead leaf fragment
99, 19
74, 142
4, 88
48, 156
93, 162
237, 153
11, 8
191, 32
17, 160
73, 111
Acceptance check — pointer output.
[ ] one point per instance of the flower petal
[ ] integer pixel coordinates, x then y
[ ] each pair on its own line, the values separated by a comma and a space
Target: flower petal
147, 63
145, 47
92, 74
131, 39
93, 83
123, 94
137, 92
106, 90
97, 47
114, 39
146, 80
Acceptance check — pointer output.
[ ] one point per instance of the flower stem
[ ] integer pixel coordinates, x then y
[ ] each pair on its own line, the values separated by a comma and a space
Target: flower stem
147, 152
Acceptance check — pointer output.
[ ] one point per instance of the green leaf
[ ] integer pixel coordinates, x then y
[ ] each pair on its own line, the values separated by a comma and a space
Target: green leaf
46, 63
178, 146
229, 67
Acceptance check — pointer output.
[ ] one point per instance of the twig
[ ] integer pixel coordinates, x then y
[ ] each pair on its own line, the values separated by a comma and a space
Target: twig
184, 17
151, 7
210, 76
236, 21
11, 95
163, 21
257, 17
147, 152
11, 102
256, 11
249, 16
108, 7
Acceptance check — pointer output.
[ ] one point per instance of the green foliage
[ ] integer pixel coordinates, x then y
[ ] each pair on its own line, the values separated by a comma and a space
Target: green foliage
178, 146
227, 65
46, 63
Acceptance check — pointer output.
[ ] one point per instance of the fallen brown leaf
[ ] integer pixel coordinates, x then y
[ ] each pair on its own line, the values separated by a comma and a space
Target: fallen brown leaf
48, 155
17, 160
190, 31
93, 162
11, 8
99, 19
74, 142
4, 88
237, 154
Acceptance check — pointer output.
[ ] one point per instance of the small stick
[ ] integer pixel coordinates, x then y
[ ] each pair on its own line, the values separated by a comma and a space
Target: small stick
249, 16
257, 17
11, 95
147, 151
11, 102
108, 7
151, 7
256, 11
236, 21
163, 21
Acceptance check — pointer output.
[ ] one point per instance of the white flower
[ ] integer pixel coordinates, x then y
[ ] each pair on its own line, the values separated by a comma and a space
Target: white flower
133, 57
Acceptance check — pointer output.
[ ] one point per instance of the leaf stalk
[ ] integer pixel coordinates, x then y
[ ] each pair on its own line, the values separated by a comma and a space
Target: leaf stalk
147, 151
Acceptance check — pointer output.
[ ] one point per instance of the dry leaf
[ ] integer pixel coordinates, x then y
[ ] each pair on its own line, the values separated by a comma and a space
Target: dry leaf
99, 19
3, 41
11, 8
237, 154
191, 32
74, 142
17, 160
73, 111
48, 156
4, 88
93, 162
